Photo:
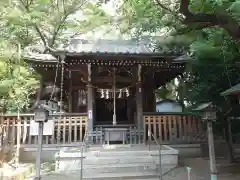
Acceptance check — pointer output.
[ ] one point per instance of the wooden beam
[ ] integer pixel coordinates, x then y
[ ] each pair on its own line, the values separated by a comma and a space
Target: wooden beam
109, 79
80, 68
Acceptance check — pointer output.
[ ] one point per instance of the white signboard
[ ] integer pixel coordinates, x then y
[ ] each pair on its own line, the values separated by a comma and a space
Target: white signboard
48, 128
90, 114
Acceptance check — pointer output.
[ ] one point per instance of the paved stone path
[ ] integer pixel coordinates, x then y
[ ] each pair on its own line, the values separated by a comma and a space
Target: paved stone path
200, 171
181, 174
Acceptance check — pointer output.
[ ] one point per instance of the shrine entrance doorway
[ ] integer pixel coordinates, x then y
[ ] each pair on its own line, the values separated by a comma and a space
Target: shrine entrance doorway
114, 96
105, 108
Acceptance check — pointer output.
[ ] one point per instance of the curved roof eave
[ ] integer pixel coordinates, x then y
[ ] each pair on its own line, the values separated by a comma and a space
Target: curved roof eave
104, 48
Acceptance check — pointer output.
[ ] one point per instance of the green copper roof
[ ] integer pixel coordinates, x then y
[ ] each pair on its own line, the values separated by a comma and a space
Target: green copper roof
233, 90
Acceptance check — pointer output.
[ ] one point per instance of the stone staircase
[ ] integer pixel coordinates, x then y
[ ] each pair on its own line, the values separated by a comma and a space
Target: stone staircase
111, 163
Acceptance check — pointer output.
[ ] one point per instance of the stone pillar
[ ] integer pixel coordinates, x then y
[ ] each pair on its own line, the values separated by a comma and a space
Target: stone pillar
213, 168
90, 100
139, 100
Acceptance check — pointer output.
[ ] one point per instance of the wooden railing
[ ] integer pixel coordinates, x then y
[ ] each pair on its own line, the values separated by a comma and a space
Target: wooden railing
69, 128
172, 128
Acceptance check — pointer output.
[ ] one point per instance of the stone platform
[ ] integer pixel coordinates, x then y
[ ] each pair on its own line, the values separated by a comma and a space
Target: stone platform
116, 162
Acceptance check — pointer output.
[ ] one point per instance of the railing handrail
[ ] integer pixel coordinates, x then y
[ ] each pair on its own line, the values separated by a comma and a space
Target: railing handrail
170, 114
150, 134
83, 144
156, 141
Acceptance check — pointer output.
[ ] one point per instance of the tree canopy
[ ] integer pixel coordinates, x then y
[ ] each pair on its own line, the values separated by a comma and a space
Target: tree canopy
181, 15
208, 30
27, 22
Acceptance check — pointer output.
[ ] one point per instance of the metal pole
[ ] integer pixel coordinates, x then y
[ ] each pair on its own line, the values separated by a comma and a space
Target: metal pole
189, 173
213, 168
81, 175
114, 100
160, 160
149, 139
18, 138
39, 151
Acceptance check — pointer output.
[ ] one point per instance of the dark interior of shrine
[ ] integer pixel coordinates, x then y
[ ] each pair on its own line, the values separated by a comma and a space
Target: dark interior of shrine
104, 111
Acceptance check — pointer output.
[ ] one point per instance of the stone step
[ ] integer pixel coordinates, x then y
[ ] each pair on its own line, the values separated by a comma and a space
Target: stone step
106, 153
168, 174
136, 169
103, 162
128, 165
115, 159
75, 175
102, 176
128, 169
121, 153
117, 168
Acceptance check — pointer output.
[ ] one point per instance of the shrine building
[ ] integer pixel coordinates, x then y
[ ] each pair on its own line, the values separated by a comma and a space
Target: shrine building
105, 89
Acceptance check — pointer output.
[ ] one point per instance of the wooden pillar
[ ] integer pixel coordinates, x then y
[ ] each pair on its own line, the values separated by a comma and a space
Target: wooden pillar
149, 104
94, 105
90, 99
70, 92
139, 99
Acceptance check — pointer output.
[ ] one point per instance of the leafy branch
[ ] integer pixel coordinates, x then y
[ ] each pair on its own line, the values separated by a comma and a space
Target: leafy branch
62, 14
222, 19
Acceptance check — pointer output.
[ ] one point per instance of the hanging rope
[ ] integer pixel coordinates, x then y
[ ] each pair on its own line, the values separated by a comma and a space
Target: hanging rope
55, 80
61, 99
61, 85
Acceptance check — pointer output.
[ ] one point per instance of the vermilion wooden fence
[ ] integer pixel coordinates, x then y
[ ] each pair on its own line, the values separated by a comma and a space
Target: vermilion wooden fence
173, 128
68, 128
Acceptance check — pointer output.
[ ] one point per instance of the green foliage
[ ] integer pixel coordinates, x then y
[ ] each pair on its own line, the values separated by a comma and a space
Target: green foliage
167, 92
143, 16
17, 83
214, 53
28, 22
214, 68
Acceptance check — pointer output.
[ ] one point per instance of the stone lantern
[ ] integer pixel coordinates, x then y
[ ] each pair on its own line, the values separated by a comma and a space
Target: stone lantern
41, 115
209, 114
